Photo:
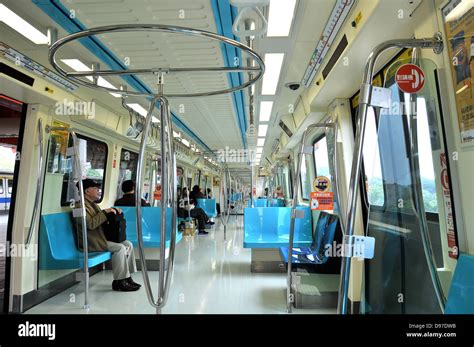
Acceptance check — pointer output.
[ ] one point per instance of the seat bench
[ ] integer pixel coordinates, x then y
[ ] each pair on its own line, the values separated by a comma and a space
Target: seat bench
58, 247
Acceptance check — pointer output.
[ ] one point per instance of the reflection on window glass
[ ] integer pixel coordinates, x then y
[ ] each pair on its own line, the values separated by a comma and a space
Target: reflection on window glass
93, 158
305, 186
1, 185
321, 158
372, 167
10, 186
425, 157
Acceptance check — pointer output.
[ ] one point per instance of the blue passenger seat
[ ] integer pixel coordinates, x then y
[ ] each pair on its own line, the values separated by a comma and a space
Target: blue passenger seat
208, 205
58, 246
326, 238
461, 293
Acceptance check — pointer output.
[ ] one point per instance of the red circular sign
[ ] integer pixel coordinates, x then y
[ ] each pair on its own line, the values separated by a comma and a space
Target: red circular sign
410, 78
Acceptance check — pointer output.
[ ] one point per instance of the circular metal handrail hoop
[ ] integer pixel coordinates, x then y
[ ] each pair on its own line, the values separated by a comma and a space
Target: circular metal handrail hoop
74, 76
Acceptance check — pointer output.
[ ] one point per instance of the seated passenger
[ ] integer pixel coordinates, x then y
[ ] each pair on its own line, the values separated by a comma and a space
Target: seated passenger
187, 209
128, 198
157, 193
278, 193
209, 196
196, 194
123, 257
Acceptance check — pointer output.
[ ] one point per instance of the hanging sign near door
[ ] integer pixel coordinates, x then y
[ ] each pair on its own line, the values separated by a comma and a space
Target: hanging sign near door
321, 198
410, 78
448, 208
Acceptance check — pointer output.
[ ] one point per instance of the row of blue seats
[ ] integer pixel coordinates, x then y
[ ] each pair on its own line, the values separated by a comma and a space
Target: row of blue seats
58, 247
265, 202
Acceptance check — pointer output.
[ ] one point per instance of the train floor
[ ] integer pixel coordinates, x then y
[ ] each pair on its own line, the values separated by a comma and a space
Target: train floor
211, 276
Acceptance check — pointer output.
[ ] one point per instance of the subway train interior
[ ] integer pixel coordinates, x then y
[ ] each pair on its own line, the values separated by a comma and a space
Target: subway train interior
296, 156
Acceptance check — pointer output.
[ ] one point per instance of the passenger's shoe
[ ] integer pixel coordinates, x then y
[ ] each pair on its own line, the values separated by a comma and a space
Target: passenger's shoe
203, 232
210, 223
123, 286
132, 282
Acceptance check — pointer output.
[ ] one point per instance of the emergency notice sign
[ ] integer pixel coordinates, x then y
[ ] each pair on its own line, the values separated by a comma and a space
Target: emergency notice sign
321, 198
410, 78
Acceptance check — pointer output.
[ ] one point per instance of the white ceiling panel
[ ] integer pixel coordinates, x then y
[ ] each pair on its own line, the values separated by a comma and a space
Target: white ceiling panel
213, 119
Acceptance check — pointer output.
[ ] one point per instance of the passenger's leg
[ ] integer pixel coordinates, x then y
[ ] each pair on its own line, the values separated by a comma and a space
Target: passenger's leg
199, 215
119, 260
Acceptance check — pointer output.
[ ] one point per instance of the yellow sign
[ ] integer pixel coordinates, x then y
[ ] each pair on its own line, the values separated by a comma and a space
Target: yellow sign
321, 184
61, 137
358, 18
460, 43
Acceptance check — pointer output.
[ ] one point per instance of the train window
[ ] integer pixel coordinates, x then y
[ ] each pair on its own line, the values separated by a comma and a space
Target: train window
372, 167
321, 159
10, 186
93, 160
1, 185
128, 169
425, 156
304, 179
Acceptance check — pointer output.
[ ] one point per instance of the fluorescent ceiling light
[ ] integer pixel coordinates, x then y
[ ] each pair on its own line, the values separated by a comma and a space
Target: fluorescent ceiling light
139, 109
265, 110
104, 83
273, 63
261, 142
78, 65
175, 134
460, 10
280, 17
20, 25
259, 150
262, 130
186, 142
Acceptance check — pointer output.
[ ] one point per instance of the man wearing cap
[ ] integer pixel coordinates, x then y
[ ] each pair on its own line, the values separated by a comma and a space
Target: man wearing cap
123, 257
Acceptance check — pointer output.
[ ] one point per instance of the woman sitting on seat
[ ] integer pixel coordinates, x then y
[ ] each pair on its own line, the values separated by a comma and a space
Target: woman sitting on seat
186, 209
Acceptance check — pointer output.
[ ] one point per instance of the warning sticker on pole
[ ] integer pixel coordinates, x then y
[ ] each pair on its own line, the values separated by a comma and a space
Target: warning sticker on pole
410, 78
321, 198
322, 201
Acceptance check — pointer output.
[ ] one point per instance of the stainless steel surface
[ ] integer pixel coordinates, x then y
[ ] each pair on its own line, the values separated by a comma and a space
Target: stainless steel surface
296, 184
418, 202
39, 185
78, 180
73, 76
358, 143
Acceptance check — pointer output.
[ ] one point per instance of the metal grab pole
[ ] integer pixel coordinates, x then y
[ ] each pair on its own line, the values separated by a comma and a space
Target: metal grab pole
296, 183
364, 102
39, 185
85, 246
138, 202
418, 202
225, 210
336, 178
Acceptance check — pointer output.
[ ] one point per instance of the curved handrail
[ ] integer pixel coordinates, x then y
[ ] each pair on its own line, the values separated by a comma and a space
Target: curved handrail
168, 198
296, 184
436, 43
154, 28
39, 185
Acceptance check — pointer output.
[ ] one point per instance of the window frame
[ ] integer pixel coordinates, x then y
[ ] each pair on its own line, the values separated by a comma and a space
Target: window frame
316, 140
305, 199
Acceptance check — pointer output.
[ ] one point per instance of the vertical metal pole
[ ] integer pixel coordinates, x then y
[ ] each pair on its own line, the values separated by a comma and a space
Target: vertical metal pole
85, 246
364, 101
418, 202
138, 202
39, 185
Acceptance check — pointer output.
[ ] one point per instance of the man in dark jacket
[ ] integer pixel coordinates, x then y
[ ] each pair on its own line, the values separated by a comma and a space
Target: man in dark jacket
128, 198
123, 257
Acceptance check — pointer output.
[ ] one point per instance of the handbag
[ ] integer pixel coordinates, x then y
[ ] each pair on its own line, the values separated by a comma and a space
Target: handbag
115, 228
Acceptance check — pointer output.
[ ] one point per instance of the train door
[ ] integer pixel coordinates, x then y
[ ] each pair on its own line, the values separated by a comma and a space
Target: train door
11, 117
409, 203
